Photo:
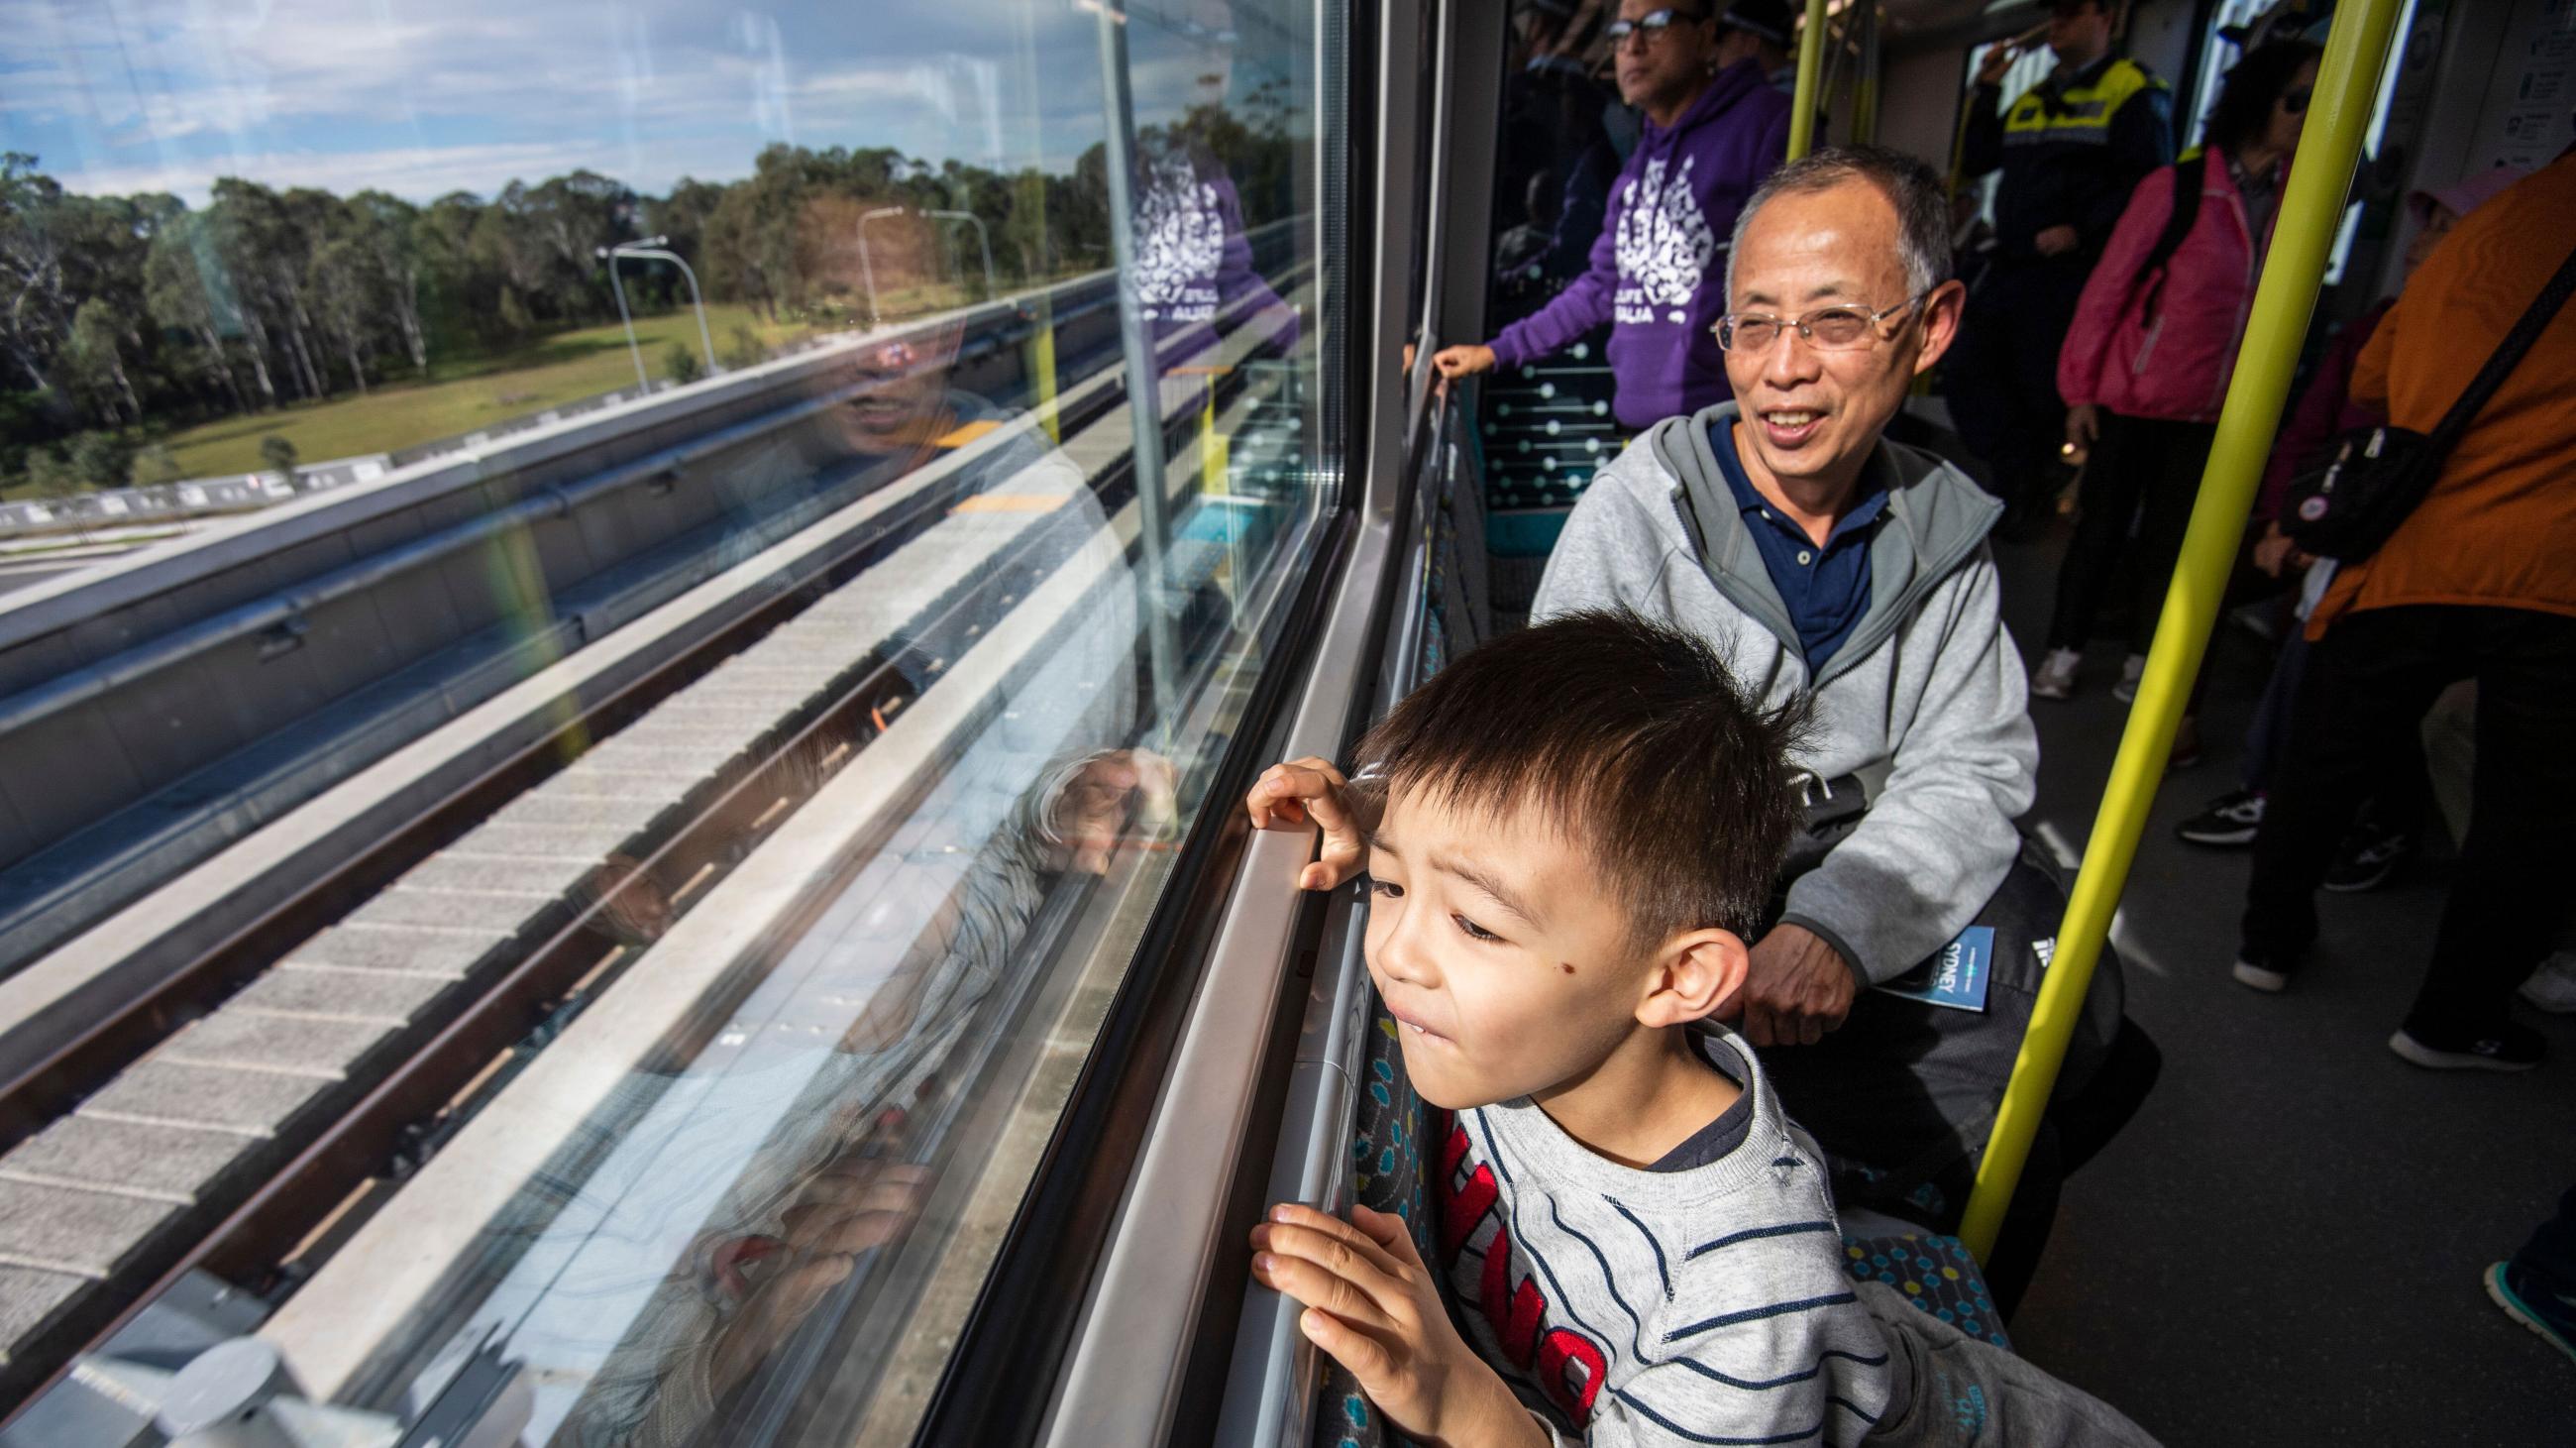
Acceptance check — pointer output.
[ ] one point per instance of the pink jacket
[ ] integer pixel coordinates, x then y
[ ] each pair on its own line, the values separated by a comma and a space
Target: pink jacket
2176, 366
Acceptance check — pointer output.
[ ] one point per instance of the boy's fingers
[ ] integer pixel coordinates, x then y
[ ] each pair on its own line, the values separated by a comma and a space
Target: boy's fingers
1366, 1358
1318, 1288
1387, 1230
1336, 1246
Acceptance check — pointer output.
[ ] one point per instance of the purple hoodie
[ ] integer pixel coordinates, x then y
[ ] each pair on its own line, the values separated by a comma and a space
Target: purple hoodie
1659, 268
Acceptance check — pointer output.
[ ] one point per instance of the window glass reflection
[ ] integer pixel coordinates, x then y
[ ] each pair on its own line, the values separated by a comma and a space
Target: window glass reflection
796, 356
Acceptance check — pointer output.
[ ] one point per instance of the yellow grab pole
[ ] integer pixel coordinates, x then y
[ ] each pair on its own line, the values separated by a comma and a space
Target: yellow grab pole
1042, 366
1865, 83
1811, 56
2311, 209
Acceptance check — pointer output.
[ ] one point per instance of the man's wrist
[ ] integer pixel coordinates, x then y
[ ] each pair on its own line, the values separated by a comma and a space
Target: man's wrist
1834, 942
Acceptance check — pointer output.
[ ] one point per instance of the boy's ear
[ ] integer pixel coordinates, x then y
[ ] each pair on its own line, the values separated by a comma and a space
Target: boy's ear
1695, 974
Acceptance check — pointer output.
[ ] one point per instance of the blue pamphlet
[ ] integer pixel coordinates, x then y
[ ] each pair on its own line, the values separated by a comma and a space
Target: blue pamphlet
1956, 977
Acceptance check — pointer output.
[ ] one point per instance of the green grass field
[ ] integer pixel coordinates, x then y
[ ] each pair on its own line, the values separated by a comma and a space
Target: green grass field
460, 396
465, 392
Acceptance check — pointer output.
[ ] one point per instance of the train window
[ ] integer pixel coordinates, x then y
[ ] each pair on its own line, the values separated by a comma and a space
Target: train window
2218, 53
614, 618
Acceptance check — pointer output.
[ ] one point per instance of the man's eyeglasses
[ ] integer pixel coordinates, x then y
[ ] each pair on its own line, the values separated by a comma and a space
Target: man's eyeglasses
1651, 25
1827, 329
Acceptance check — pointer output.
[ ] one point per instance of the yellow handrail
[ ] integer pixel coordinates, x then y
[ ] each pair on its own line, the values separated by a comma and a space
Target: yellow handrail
2311, 209
1811, 57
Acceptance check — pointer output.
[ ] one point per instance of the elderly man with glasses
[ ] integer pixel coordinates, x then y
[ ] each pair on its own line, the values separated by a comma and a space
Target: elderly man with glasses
1849, 576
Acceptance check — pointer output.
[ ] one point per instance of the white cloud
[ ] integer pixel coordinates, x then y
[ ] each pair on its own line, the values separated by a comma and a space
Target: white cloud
425, 96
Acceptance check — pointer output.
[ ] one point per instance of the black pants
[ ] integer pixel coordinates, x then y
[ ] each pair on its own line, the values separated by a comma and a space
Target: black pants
2001, 377
2369, 682
2550, 1255
2142, 469
1904, 1095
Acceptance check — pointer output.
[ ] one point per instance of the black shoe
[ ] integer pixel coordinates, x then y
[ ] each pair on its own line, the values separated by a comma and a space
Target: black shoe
2514, 1047
2228, 821
2366, 860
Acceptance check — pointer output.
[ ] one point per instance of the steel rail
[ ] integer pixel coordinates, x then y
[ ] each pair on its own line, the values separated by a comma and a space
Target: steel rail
348, 1137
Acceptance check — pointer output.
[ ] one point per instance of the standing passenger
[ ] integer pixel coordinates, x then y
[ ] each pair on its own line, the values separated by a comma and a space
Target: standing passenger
1763, 31
2146, 365
1711, 136
2072, 148
2478, 582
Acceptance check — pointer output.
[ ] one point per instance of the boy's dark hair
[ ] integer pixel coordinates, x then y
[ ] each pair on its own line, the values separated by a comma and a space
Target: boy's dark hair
1632, 737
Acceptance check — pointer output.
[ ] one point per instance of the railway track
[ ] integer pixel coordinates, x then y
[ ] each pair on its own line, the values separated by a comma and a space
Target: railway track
215, 1122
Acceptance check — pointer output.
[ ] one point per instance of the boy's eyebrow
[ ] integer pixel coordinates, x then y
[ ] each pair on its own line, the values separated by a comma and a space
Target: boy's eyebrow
1485, 881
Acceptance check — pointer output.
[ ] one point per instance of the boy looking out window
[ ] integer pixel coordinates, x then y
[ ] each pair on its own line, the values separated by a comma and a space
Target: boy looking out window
1569, 837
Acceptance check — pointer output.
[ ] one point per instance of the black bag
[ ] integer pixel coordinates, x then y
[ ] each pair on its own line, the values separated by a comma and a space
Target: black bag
2380, 474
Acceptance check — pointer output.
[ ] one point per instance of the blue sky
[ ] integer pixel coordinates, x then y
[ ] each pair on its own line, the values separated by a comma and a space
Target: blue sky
420, 99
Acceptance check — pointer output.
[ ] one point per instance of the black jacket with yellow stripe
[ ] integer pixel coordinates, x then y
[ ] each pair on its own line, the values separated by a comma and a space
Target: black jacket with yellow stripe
2072, 148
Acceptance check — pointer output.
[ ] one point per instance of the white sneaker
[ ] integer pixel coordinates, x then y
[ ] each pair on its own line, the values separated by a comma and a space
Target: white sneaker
2132, 669
2552, 987
2055, 678
2261, 977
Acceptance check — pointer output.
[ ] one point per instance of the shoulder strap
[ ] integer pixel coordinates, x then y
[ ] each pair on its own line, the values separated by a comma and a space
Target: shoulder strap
2191, 176
2508, 353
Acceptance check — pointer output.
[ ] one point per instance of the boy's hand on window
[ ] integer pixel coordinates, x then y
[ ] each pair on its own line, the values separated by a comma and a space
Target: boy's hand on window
1797, 989
1371, 1305
1310, 789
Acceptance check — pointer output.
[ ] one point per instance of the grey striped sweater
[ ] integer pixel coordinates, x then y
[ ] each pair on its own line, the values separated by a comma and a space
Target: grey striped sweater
1642, 1307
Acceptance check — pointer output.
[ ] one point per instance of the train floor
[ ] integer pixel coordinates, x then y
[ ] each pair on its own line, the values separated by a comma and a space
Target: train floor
2285, 1245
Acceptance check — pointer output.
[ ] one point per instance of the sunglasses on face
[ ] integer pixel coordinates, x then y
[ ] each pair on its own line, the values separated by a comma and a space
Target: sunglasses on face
1651, 25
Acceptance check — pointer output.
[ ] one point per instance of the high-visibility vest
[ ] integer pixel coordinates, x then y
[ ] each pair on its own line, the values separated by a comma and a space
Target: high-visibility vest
2082, 114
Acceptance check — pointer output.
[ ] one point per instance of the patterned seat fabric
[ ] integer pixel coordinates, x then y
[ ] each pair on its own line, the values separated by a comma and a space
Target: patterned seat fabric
1387, 1175
1936, 1274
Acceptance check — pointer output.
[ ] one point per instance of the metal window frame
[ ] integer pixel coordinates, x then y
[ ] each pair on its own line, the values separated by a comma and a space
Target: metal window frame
1147, 1359
1106, 1297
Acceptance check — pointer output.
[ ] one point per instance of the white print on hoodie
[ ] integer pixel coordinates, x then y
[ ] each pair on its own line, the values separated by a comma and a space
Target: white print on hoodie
1664, 244
1180, 240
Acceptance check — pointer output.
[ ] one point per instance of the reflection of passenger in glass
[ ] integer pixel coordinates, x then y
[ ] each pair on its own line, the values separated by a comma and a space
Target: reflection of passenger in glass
716, 1206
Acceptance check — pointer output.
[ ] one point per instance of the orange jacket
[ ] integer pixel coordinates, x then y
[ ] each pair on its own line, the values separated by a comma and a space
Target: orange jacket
2499, 526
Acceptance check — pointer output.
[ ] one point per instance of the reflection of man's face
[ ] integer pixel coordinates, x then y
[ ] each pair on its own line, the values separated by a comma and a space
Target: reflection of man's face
1208, 28
903, 377
902, 400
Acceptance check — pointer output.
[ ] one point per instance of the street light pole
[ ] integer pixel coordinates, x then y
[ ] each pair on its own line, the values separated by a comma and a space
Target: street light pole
652, 248
609, 255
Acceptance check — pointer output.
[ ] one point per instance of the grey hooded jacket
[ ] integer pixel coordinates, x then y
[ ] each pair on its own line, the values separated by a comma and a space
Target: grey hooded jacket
1925, 701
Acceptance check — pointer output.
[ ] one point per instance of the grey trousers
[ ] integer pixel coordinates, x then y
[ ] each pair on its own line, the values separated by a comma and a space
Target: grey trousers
1968, 1393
